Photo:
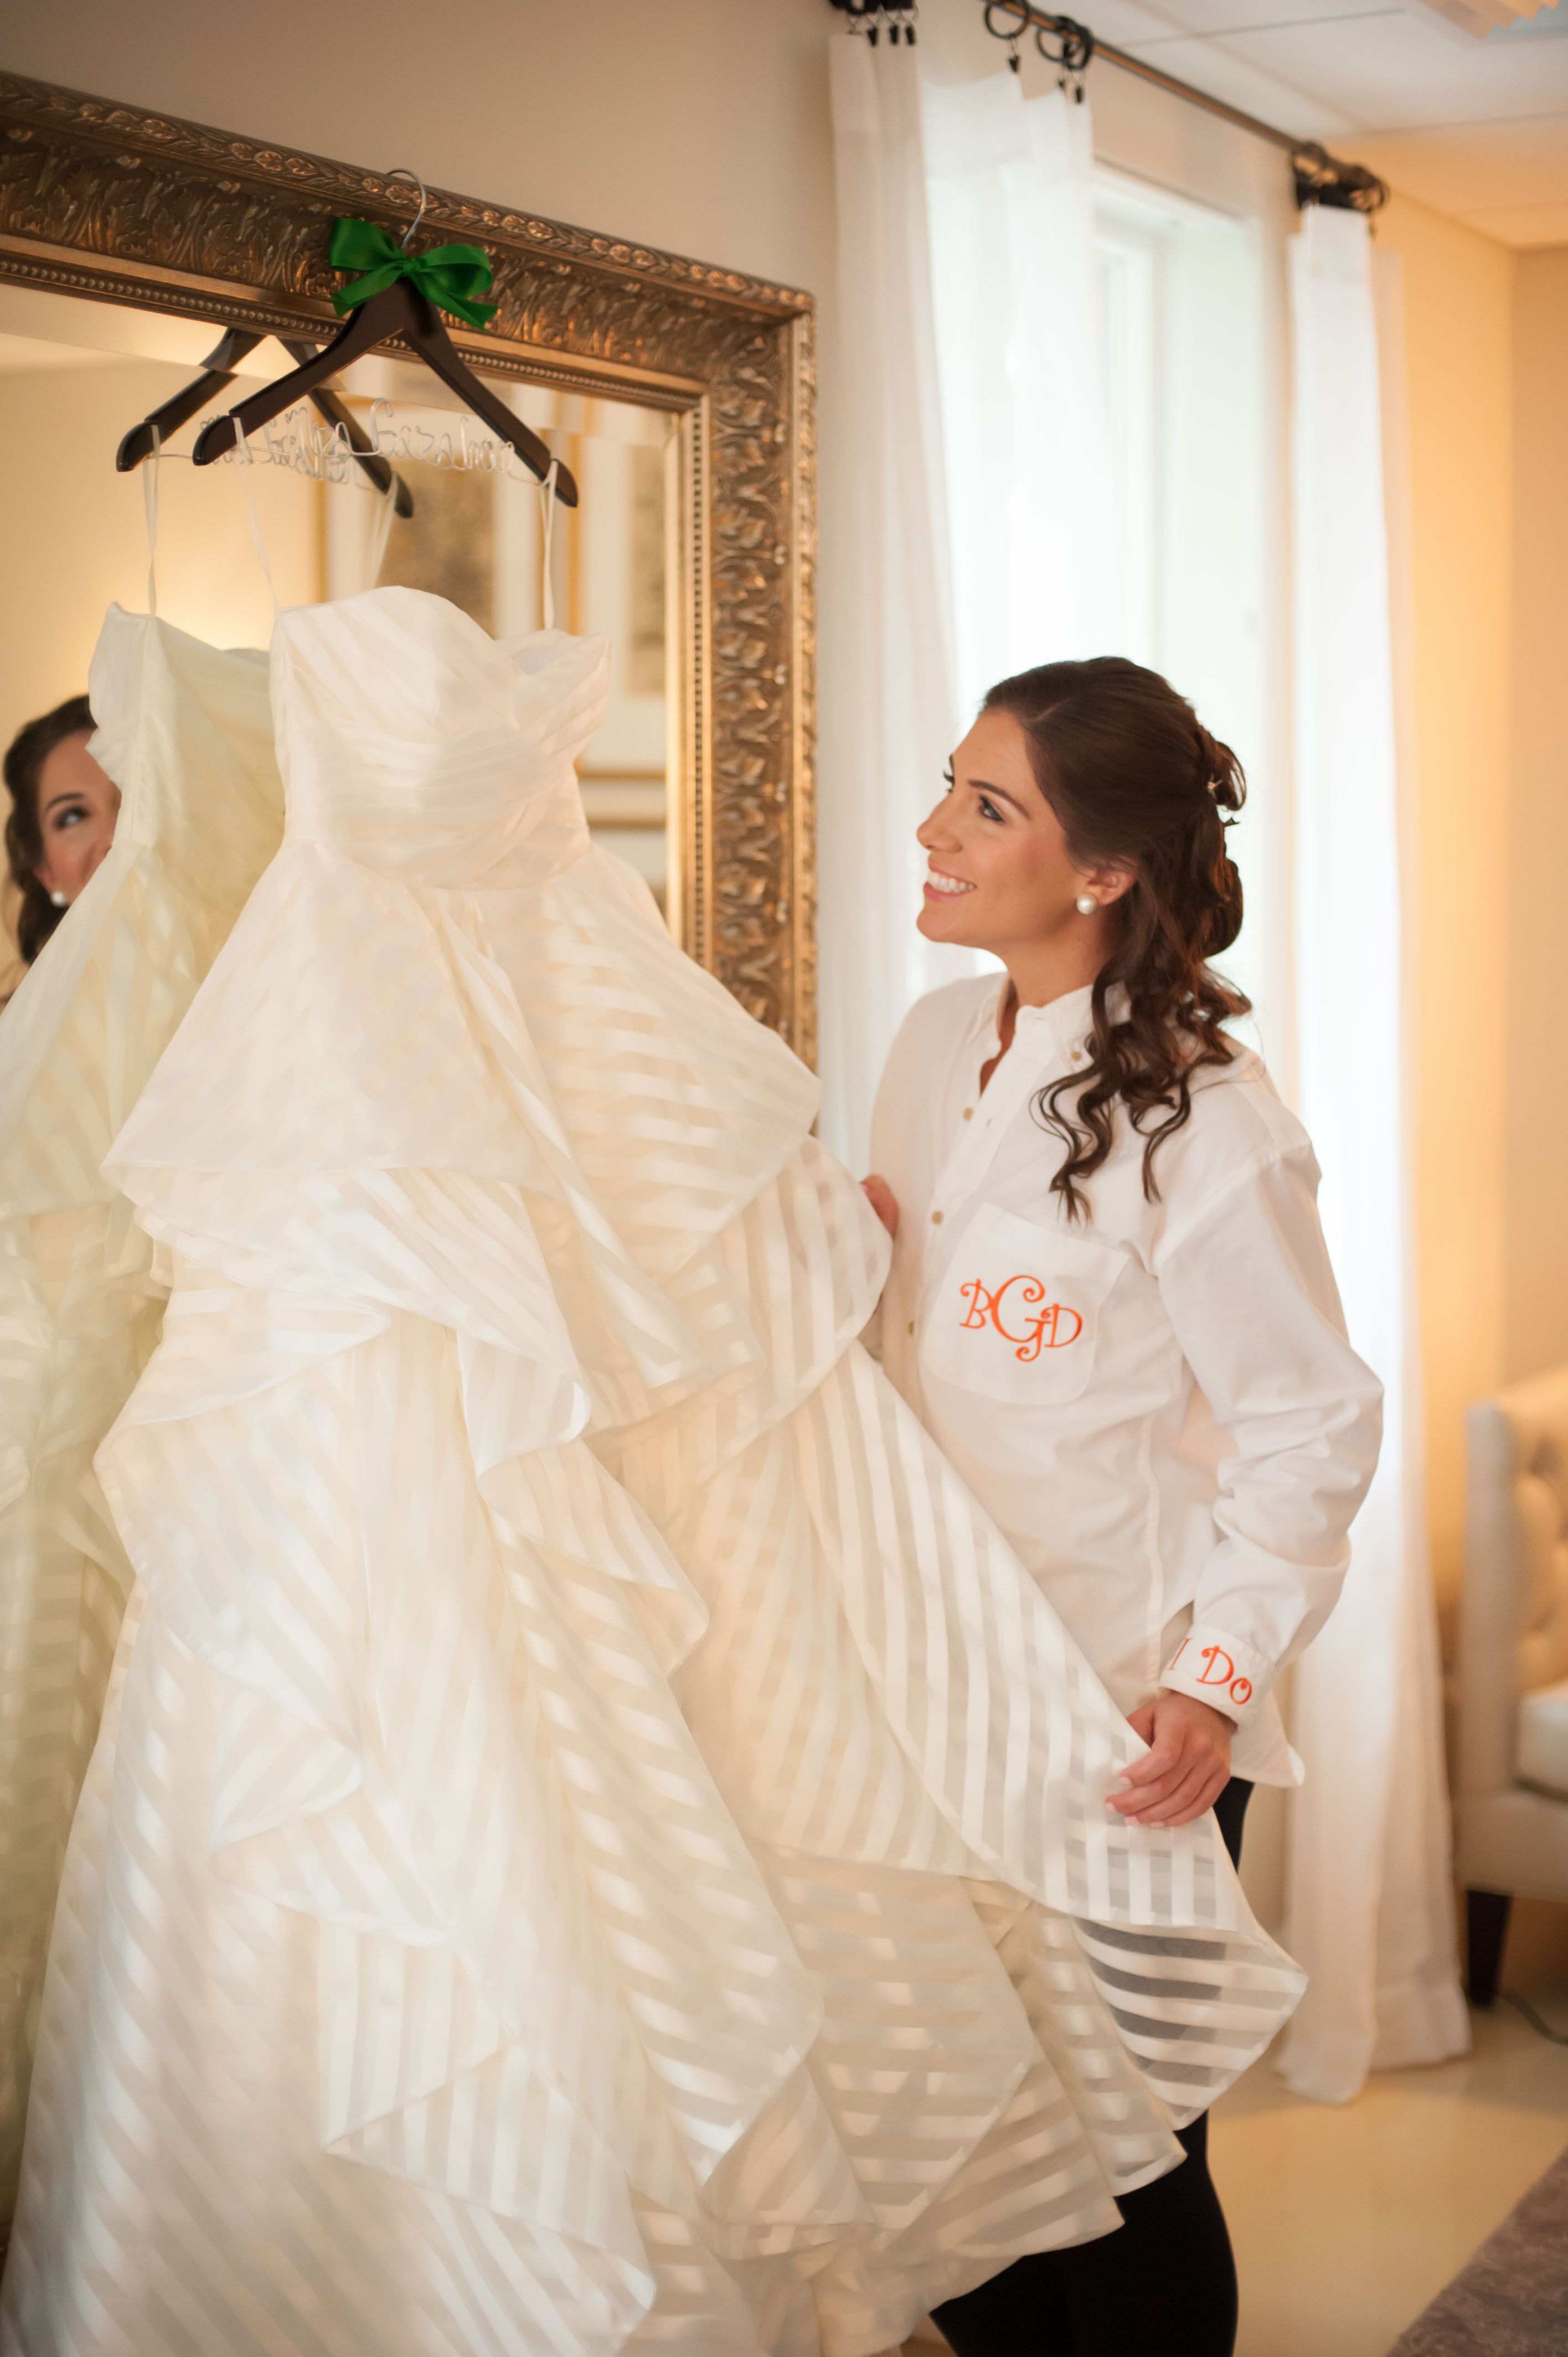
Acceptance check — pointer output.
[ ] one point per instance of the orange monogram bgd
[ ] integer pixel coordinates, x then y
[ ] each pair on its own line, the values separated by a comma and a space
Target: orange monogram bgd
1050, 1328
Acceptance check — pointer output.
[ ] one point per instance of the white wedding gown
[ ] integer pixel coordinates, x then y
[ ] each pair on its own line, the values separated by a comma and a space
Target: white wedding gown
186, 733
597, 1843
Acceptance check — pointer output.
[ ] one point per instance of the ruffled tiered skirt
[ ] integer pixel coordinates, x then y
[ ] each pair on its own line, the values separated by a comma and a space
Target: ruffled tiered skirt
597, 1843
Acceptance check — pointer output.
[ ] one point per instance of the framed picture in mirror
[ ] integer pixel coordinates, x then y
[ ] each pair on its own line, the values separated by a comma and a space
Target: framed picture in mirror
680, 395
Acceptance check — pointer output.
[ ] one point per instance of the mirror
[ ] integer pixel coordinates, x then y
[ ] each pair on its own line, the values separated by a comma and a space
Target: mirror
681, 392
75, 376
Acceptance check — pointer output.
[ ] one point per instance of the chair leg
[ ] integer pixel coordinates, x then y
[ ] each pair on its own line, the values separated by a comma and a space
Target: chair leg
1487, 1923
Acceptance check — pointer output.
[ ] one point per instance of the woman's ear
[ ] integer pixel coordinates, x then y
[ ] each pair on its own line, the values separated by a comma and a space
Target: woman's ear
1111, 880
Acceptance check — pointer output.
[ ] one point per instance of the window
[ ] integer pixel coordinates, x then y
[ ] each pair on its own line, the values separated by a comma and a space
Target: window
1181, 338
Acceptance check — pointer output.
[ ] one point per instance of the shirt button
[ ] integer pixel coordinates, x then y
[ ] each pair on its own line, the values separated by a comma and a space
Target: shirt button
969, 1113
911, 1325
936, 1219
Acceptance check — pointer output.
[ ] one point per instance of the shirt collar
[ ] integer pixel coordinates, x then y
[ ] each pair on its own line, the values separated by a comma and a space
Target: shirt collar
1046, 1032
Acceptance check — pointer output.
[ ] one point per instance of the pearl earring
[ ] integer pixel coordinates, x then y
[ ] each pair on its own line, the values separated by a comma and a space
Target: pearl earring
59, 900
1086, 904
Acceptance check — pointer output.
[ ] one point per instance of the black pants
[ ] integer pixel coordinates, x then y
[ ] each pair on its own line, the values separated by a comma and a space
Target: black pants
1164, 2287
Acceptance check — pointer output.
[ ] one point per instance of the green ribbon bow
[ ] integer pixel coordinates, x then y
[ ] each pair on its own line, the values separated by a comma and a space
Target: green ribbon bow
448, 275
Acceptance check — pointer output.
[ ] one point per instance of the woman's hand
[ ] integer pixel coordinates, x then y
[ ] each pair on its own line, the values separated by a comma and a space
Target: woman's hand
883, 1201
1188, 1765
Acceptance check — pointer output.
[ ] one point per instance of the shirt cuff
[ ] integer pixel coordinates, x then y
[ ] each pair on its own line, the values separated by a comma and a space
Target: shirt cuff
1218, 1669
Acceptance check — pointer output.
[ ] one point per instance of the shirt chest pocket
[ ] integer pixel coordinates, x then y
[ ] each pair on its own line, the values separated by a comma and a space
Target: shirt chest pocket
1018, 1313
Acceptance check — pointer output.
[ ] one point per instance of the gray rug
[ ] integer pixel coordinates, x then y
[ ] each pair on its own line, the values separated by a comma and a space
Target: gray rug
1513, 2298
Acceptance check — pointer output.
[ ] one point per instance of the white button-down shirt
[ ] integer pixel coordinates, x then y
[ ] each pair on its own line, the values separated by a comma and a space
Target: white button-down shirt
1157, 1404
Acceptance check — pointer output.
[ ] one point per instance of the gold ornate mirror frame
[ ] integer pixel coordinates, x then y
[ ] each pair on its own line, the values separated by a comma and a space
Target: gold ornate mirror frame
107, 201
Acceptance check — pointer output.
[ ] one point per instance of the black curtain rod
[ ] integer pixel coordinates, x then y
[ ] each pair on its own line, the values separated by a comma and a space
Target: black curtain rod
1320, 179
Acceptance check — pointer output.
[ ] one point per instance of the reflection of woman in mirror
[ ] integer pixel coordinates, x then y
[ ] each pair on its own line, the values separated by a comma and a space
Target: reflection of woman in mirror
63, 810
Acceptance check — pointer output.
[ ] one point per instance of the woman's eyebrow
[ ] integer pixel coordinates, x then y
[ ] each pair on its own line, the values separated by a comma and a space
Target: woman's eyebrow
1000, 793
77, 795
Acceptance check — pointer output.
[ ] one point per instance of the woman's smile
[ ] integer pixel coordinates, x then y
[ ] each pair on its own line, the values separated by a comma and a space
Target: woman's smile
942, 887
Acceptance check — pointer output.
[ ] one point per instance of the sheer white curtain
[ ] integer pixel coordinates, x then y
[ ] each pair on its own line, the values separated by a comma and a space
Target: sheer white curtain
984, 490
1370, 1907
1018, 327
895, 726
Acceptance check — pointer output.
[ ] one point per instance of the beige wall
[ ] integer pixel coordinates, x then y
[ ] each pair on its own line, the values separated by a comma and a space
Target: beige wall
1458, 314
1487, 331
1535, 1290
75, 533
697, 125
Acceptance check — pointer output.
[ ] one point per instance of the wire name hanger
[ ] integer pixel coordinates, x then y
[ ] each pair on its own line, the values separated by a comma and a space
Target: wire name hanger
218, 369
321, 452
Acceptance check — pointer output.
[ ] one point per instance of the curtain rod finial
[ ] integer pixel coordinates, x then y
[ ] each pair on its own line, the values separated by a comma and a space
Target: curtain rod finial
1322, 180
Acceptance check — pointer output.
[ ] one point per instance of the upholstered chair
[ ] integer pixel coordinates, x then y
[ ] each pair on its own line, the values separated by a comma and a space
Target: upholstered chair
1511, 1806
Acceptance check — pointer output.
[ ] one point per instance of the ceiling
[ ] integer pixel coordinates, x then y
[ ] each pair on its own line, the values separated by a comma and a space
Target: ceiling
1472, 122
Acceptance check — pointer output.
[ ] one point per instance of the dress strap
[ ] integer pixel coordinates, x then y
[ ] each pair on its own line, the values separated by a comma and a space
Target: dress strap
258, 538
547, 494
150, 503
375, 547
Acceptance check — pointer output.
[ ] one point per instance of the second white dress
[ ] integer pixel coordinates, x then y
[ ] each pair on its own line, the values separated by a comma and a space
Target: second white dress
597, 1844
185, 731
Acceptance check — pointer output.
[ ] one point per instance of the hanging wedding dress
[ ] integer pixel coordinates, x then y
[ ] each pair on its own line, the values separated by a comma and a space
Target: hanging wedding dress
186, 733
597, 1843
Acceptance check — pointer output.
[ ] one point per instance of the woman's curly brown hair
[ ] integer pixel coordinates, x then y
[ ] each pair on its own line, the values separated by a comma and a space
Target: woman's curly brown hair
1134, 776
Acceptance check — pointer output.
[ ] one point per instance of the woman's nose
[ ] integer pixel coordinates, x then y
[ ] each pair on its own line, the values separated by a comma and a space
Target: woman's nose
931, 831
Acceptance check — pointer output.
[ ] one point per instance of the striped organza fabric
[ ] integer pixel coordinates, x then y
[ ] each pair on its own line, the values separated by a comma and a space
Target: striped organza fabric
597, 1845
186, 733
